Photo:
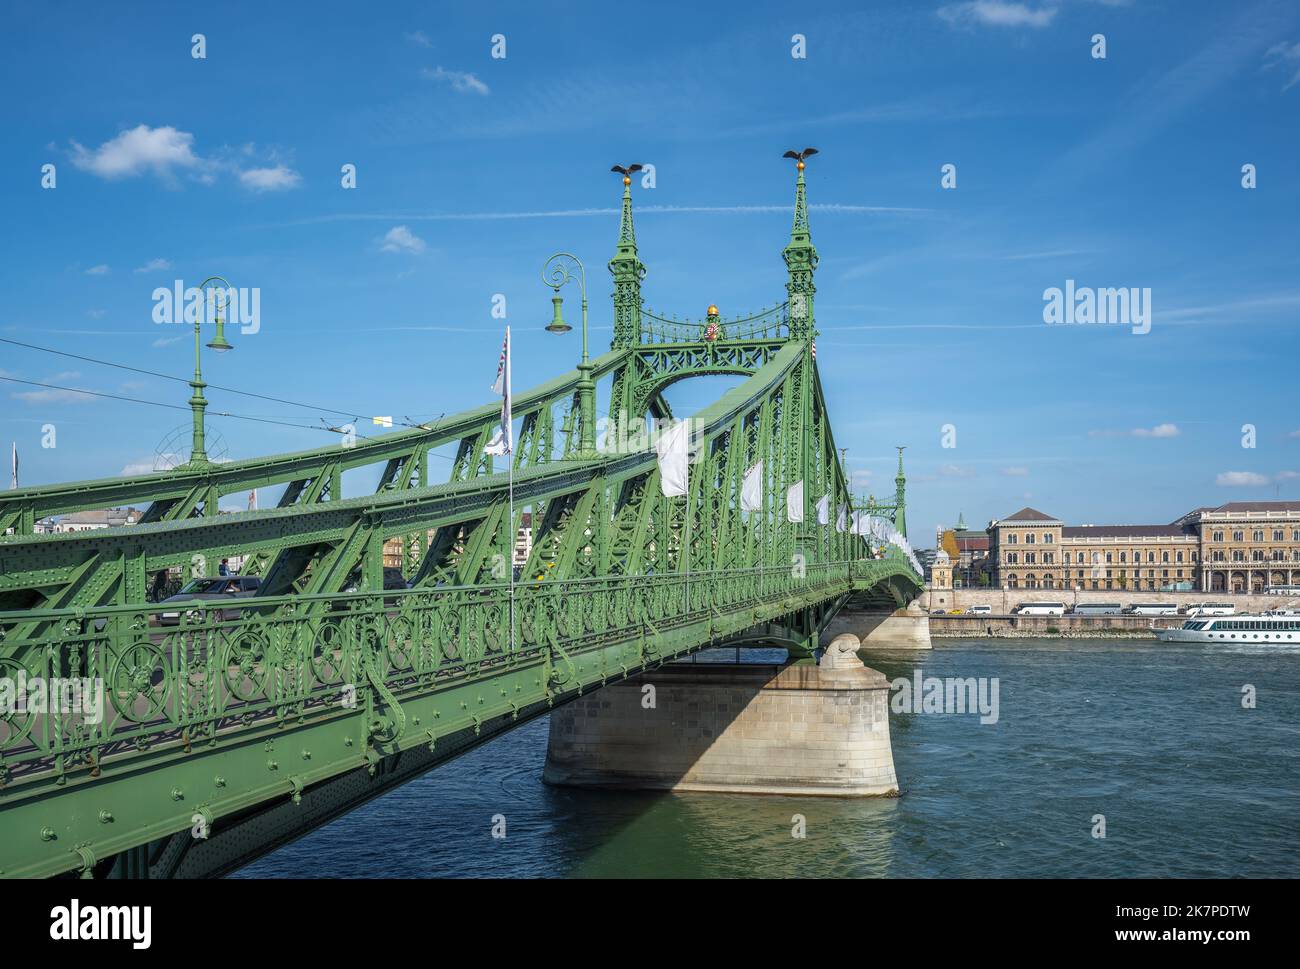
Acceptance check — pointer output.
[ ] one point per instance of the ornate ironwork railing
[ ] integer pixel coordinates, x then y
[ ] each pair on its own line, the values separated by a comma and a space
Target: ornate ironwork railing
769, 324
224, 667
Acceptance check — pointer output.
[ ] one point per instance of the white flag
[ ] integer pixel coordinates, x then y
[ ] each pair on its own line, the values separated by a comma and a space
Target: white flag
824, 510
501, 442
674, 449
751, 489
794, 502
841, 520
14, 482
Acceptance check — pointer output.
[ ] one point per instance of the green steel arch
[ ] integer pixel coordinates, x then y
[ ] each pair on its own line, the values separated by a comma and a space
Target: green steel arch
228, 732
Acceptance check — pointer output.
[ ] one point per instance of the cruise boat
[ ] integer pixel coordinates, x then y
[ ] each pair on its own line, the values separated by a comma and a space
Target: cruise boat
1271, 627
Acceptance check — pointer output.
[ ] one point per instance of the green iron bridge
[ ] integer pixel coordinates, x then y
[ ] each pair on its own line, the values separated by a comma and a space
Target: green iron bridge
229, 733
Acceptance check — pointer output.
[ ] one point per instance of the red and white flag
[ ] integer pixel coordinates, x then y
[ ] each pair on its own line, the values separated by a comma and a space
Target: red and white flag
501, 442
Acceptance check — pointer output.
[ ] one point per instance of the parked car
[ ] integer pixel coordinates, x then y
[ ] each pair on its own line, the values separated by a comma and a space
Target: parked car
979, 611
220, 588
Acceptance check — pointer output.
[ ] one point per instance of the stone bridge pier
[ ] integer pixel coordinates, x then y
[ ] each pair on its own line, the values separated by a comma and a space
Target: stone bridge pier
906, 628
793, 728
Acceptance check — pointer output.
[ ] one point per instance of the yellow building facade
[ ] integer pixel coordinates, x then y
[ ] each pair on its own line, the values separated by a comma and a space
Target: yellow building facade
1243, 546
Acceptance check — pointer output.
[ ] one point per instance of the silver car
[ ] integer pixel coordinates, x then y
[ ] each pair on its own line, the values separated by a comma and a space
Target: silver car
223, 587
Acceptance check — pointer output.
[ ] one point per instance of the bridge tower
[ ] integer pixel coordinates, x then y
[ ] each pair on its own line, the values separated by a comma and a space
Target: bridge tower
900, 503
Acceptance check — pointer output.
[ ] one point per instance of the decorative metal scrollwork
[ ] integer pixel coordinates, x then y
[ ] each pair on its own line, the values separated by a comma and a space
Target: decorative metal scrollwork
138, 682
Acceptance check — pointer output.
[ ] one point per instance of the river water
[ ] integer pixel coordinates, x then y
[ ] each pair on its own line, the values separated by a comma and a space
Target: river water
1152, 736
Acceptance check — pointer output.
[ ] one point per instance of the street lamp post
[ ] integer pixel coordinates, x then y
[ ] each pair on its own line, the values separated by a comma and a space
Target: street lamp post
559, 269
198, 404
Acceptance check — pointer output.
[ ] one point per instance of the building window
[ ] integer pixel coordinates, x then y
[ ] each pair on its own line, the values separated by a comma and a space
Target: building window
1047, 538
1151, 557
1164, 557
1123, 557
1238, 536
1011, 538
1217, 537
1257, 535
1180, 556
1029, 538
1277, 534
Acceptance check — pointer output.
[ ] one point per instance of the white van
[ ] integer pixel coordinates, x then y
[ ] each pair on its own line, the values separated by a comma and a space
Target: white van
1211, 609
979, 610
1041, 609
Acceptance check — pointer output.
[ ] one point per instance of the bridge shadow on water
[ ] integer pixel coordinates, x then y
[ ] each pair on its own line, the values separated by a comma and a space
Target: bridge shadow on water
441, 824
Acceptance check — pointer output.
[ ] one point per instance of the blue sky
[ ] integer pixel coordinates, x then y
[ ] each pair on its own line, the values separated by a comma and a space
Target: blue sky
1115, 172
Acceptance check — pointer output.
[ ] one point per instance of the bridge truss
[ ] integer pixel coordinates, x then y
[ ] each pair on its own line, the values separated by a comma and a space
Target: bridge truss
225, 735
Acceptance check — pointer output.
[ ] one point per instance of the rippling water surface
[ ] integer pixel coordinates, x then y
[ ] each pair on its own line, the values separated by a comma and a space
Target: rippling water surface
1151, 735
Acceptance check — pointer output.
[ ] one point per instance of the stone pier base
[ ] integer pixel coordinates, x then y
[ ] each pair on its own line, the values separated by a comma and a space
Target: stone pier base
747, 728
907, 628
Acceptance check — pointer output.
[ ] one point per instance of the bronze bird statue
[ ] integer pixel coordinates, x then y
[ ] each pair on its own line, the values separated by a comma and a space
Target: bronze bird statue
799, 156
626, 172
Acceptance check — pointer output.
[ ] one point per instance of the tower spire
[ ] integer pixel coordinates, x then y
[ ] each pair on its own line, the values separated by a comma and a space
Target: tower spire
800, 256
627, 270
900, 502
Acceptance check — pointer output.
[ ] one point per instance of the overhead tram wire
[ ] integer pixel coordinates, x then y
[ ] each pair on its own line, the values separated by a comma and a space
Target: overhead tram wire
211, 413
167, 376
159, 403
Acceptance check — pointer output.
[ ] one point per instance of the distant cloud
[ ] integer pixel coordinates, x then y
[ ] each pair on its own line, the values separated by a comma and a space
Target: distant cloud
100, 270
461, 81
401, 239
277, 179
1240, 479
860, 478
956, 471
419, 39
1015, 472
138, 150
1286, 56
52, 395
164, 341
154, 265
1295, 433
996, 13
96, 314
1160, 430
166, 459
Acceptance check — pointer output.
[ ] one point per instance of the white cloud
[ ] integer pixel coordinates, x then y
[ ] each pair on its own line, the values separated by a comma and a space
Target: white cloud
996, 13
860, 478
1285, 55
419, 39
154, 265
164, 341
401, 239
100, 270
52, 395
276, 179
1015, 472
1240, 479
1160, 430
96, 314
461, 81
956, 471
158, 462
138, 150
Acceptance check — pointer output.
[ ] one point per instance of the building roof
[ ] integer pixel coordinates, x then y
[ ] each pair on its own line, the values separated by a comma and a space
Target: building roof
106, 516
973, 542
1121, 531
1029, 515
1257, 506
